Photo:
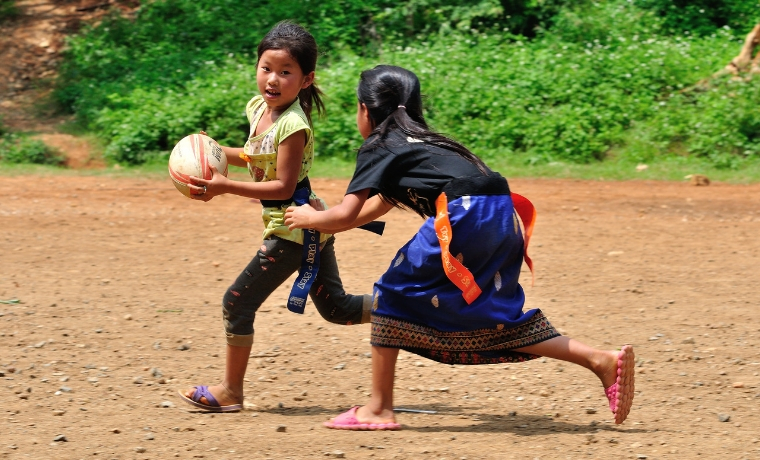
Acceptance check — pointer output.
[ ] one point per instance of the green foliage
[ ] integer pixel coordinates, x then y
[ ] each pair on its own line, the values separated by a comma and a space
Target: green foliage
595, 80
147, 123
560, 98
606, 22
569, 99
703, 17
721, 125
420, 18
8, 10
528, 17
171, 42
337, 135
21, 149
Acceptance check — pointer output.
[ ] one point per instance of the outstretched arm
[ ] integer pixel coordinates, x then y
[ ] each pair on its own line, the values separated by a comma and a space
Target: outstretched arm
373, 208
355, 210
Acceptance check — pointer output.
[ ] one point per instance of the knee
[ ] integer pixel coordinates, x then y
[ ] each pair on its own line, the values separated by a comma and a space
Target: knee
344, 310
238, 310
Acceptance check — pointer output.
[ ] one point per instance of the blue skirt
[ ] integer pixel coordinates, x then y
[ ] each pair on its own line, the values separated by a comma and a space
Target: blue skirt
419, 309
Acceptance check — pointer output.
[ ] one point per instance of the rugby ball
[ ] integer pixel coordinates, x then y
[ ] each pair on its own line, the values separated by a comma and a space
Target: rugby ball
193, 156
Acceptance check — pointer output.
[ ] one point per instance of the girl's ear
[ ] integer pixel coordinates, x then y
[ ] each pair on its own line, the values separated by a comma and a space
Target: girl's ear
364, 112
369, 117
363, 120
308, 79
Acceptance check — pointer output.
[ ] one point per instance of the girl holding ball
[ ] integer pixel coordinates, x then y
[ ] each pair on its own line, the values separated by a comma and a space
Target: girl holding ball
278, 156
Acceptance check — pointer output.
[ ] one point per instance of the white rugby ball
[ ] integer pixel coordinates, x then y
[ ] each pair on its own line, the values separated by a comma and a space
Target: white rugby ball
192, 156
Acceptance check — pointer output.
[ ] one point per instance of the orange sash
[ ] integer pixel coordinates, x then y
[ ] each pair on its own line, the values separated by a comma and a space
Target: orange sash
455, 271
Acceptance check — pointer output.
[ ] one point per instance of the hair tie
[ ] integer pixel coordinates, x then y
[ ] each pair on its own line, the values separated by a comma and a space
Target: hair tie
402, 107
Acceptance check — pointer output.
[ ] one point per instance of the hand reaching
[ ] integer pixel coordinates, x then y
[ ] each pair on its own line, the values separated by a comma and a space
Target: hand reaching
299, 216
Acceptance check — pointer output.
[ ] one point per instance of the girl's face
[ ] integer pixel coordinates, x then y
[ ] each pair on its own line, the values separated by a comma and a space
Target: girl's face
280, 78
363, 121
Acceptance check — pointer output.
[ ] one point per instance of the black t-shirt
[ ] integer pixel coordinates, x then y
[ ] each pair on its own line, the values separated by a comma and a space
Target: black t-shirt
408, 171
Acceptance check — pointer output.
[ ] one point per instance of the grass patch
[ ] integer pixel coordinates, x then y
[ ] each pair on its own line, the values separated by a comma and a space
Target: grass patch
670, 168
333, 168
623, 168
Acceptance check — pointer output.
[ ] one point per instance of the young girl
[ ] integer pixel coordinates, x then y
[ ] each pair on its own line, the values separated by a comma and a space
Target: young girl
451, 294
278, 155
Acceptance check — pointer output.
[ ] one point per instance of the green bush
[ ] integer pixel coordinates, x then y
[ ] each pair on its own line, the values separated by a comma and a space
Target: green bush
146, 123
721, 124
703, 17
596, 78
170, 42
18, 149
550, 99
144, 83
556, 99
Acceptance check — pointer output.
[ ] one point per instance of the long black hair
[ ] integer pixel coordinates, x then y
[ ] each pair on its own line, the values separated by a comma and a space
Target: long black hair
302, 47
393, 99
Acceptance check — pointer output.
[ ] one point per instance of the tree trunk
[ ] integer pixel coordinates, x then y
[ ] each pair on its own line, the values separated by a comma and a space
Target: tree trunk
746, 62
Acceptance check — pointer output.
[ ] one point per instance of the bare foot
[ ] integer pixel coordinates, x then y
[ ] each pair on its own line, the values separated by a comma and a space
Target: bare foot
220, 392
606, 367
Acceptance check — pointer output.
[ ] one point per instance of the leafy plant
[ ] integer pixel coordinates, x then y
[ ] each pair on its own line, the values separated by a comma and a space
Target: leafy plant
172, 42
721, 125
703, 17
16, 148
594, 79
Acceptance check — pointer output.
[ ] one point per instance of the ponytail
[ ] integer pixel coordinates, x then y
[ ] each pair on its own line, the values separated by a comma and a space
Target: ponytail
310, 98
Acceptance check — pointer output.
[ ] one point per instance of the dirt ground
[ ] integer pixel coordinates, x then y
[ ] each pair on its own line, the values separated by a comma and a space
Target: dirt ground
109, 303
119, 282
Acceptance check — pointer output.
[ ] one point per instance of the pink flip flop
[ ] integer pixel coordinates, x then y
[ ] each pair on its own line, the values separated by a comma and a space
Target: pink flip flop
347, 421
620, 394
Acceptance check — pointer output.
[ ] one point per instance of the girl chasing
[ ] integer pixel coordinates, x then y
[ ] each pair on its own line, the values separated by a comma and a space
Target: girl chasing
451, 294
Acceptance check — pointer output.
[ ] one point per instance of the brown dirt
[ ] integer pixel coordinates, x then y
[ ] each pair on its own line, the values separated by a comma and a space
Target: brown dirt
30, 52
119, 282
31, 46
117, 275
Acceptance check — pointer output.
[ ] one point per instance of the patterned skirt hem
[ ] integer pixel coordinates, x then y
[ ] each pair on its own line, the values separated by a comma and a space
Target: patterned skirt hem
482, 346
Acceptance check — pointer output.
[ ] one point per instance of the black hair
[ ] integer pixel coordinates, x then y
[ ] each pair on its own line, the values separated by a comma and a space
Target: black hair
302, 47
393, 99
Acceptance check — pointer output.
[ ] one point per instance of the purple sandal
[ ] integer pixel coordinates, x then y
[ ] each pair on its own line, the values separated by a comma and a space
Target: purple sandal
212, 406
